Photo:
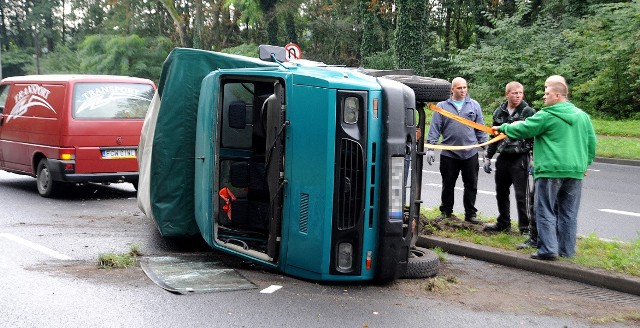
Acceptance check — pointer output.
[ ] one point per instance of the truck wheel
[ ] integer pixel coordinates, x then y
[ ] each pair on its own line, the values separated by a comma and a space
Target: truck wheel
422, 263
426, 89
46, 186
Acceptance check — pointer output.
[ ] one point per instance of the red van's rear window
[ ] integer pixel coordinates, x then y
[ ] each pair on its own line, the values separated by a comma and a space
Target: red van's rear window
111, 100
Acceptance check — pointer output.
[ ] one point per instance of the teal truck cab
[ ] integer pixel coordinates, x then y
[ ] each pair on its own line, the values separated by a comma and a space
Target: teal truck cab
308, 169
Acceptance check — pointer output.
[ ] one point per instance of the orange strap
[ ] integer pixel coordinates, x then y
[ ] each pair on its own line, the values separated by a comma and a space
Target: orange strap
467, 122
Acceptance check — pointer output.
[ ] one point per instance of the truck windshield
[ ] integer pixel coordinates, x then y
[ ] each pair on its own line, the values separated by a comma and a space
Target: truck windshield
111, 100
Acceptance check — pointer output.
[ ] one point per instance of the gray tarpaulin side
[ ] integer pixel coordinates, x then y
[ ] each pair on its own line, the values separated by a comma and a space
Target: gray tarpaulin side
167, 144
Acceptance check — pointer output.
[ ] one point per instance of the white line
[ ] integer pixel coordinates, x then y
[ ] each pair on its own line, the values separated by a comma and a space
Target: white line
36, 247
619, 212
270, 289
432, 172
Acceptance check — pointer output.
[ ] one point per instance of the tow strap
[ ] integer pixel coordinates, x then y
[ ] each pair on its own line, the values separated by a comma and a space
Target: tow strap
466, 122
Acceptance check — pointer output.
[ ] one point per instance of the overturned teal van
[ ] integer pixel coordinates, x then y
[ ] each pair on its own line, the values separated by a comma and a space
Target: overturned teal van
305, 168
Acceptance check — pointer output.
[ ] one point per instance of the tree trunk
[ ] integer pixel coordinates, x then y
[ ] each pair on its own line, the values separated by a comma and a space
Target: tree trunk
177, 20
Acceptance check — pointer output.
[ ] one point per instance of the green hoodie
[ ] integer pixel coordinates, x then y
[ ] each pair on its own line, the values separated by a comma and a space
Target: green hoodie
564, 140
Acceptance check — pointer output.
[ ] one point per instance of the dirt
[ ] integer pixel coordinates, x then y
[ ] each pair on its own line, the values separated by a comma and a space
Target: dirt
494, 288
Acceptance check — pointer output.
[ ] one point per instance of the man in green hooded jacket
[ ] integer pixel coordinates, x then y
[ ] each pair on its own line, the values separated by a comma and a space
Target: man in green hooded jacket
564, 146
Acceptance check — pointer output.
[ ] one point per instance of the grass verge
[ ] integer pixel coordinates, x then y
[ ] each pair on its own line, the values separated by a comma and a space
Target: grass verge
592, 251
122, 260
618, 147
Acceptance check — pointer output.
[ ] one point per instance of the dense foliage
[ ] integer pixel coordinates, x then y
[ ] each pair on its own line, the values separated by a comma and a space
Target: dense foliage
593, 43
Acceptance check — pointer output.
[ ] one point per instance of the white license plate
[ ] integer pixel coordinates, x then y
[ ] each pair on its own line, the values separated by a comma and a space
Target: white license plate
118, 153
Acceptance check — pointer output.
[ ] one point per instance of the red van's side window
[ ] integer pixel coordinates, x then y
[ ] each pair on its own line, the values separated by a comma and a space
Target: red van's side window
111, 100
4, 93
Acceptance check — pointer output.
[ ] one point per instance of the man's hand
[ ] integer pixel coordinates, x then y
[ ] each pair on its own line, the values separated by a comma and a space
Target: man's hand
431, 156
496, 130
487, 166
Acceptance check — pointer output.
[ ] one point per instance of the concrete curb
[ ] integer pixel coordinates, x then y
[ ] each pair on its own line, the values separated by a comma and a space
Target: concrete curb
618, 161
561, 269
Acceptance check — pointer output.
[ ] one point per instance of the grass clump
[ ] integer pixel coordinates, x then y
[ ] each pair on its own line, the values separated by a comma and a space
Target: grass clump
440, 284
122, 260
623, 318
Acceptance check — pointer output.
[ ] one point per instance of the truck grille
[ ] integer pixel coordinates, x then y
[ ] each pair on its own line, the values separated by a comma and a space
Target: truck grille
350, 189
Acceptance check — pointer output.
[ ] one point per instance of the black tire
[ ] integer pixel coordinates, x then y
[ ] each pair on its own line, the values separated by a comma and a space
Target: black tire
422, 263
426, 89
135, 184
46, 186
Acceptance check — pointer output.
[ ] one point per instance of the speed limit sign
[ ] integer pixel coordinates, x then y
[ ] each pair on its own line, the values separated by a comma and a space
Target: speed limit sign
293, 51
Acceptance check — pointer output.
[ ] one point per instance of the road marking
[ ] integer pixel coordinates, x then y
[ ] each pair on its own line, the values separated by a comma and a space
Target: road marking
619, 212
36, 247
460, 188
433, 172
270, 289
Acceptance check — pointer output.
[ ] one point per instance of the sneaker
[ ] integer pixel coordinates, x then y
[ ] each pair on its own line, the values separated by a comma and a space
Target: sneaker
496, 228
472, 220
530, 243
537, 256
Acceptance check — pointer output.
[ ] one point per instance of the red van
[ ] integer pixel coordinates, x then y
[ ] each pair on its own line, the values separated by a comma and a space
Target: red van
67, 129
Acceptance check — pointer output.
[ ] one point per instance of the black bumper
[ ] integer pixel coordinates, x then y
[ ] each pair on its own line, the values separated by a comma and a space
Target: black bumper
58, 173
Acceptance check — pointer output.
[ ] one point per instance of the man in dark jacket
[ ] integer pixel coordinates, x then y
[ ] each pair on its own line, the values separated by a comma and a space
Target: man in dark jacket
512, 166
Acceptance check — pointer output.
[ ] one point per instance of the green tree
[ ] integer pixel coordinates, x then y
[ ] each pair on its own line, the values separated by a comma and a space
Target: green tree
409, 34
605, 47
514, 51
129, 55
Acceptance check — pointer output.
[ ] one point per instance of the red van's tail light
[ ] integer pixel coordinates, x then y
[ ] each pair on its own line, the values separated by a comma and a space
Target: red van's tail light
67, 154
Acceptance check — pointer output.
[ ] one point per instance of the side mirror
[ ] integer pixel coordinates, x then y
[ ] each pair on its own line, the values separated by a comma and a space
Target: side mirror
267, 53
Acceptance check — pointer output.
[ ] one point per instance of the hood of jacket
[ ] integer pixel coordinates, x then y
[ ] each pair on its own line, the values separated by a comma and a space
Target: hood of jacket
565, 111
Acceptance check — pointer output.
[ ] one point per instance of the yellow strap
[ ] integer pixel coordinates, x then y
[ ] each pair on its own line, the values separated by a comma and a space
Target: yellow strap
462, 120
466, 122
447, 147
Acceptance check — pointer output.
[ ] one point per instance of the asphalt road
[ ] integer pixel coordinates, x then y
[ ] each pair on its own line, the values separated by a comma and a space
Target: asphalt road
49, 249
610, 206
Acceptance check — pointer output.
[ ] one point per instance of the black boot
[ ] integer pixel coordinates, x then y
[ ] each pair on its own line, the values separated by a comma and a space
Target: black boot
496, 228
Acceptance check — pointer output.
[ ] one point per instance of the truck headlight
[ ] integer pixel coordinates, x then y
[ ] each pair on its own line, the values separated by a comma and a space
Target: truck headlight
345, 257
351, 110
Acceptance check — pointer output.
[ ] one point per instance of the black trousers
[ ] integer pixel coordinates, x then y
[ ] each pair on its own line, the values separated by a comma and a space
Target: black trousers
450, 168
513, 169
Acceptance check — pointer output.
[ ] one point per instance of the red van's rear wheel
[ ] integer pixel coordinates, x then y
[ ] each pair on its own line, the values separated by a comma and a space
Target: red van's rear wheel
46, 186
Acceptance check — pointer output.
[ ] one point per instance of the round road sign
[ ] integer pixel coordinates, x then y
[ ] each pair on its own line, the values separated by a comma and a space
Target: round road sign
293, 51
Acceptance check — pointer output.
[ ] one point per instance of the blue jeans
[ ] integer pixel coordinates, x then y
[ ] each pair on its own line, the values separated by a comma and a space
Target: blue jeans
556, 209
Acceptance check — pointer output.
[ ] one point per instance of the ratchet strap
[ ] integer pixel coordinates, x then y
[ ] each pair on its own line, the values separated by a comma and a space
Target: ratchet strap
466, 122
